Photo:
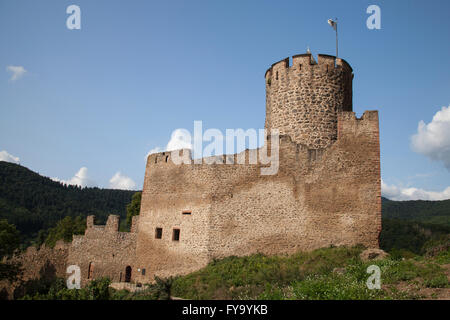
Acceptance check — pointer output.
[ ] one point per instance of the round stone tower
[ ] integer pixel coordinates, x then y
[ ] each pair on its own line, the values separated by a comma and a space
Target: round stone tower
302, 100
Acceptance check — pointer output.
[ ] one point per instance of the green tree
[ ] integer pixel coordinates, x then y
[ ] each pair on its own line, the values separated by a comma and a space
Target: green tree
65, 229
9, 242
32, 202
134, 207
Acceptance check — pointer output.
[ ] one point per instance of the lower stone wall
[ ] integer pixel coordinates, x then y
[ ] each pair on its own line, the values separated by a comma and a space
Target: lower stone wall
37, 264
103, 251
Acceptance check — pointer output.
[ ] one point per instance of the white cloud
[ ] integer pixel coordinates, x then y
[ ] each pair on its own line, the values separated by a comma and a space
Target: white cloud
5, 156
17, 72
433, 139
81, 178
180, 139
399, 193
154, 150
119, 181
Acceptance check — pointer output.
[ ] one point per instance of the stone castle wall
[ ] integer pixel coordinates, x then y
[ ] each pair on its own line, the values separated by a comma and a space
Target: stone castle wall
103, 251
36, 263
318, 198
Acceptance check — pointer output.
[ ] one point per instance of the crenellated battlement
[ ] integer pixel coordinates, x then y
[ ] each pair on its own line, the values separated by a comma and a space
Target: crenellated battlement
165, 157
349, 125
111, 226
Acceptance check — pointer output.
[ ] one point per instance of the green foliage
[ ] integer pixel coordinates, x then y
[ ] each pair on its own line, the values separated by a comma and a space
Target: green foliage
134, 207
39, 285
434, 212
410, 235
443, 257
9, 242
233, 277
148, 293
9, 239
438, 281
95, 290
33, 203
163, 287
65, 229
98, 289
335, 287
309, 275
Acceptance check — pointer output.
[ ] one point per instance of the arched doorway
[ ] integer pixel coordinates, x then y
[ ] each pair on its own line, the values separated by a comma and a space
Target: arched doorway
91, 270
128, 274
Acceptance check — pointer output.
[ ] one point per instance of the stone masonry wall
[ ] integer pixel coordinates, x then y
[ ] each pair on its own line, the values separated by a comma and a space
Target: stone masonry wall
37, 263
303, 100
319, 197
104, 250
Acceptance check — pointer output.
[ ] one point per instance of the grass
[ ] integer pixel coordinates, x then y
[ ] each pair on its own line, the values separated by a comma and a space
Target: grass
330, 273
233, 277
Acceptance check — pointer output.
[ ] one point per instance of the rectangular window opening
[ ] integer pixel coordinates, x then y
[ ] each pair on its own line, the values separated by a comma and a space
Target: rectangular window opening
158, 233
187, 212
176, 235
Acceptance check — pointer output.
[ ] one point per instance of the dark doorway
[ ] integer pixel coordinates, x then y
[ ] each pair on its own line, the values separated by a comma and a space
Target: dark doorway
128, 274
91, 270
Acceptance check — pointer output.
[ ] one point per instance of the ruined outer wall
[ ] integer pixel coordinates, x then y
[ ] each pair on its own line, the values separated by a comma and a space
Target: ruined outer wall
303, 100
318, 198
37, 263
109, 250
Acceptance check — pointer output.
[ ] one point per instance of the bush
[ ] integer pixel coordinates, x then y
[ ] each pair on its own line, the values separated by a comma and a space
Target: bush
95, 290
439, 281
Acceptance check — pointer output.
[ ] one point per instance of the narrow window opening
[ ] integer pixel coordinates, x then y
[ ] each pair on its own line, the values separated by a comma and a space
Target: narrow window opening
187, 212
143, 272
300, 67
277, 76
176, 235
167, 158
158, 233
156, 159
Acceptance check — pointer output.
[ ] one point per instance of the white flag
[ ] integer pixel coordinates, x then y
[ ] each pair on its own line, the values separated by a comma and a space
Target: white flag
332, 23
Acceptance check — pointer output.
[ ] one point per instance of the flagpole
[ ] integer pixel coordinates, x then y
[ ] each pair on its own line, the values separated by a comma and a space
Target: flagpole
336, 38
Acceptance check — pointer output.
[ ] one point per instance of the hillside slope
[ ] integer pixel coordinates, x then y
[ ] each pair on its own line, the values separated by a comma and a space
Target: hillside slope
33, 202
435, 212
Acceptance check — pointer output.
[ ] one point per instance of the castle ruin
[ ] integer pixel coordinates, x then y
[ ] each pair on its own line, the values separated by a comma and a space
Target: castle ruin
327, 190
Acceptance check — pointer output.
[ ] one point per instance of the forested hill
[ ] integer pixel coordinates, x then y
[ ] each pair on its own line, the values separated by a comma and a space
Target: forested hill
435, 212
33, 202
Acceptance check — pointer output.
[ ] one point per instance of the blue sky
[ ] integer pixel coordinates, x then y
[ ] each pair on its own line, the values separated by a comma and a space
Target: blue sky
102, 97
